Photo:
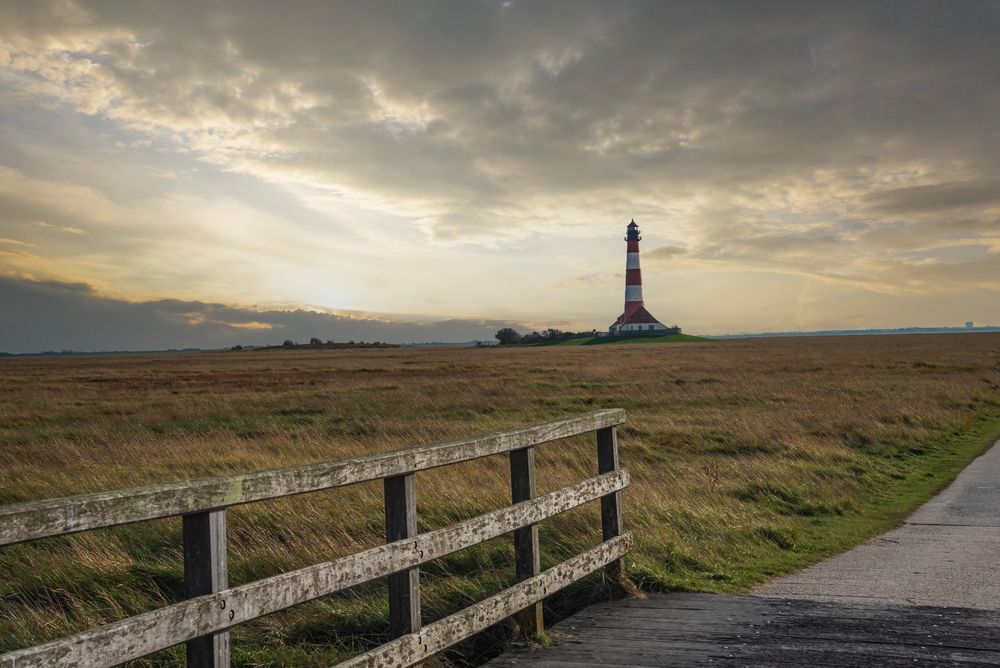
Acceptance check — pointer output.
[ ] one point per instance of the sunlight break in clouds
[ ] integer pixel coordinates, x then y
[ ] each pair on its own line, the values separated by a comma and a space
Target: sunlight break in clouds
793, 165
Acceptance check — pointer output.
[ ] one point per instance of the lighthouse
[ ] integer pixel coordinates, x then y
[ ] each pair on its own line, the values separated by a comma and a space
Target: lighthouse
636, 320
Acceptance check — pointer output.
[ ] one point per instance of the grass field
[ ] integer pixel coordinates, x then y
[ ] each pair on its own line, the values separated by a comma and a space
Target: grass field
749, 458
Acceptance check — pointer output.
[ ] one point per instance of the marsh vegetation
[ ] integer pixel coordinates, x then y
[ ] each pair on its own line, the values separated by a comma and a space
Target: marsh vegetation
749, 458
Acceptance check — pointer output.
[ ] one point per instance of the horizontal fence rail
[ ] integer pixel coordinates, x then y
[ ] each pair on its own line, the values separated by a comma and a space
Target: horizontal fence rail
203, 620
443, 634
38, 519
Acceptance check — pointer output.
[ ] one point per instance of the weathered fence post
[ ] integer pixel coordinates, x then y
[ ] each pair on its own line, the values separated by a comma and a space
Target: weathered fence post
400, 523
206, 571
611, 513
527, 560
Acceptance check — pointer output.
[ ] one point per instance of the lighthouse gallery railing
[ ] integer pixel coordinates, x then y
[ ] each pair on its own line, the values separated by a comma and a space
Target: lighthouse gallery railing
212, 607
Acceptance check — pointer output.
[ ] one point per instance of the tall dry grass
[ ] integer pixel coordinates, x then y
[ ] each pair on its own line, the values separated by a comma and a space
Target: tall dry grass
749, 458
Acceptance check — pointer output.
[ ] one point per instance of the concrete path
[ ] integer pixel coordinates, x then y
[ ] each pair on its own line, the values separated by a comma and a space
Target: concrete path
665, 631
927, 593
947, 553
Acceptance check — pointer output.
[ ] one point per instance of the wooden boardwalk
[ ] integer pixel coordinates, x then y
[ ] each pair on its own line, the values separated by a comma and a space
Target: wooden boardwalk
709, 629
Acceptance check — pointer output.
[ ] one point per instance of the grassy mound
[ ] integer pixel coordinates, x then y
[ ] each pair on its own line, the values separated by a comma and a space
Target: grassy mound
601, 340
667, 338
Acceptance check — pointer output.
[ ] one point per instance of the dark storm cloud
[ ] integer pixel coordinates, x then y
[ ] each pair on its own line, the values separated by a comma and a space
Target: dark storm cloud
52, 315
475, 111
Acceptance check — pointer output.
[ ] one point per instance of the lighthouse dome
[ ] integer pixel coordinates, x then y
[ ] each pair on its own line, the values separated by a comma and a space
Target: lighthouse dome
632, 232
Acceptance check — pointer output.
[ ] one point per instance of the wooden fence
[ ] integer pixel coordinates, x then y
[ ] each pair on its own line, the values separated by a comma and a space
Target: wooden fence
212, 607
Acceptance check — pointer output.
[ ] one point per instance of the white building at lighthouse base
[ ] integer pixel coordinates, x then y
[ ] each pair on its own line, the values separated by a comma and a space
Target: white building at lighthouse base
637, 321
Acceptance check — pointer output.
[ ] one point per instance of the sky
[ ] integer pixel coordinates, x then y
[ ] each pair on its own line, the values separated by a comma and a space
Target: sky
178, 174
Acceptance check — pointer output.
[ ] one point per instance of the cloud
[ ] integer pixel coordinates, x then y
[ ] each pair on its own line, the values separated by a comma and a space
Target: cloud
59, 228
16, 254
893, 257
590, 280
935, 198
253, 325
664, 253
52, 315
404, 155
460, 113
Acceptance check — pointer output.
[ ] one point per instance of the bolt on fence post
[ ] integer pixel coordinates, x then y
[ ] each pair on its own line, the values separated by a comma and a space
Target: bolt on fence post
401, 523
527, 559
611, 514
206, 571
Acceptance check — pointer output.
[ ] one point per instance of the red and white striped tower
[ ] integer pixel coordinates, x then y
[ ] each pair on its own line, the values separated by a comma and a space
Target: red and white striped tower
635, 320
633, 275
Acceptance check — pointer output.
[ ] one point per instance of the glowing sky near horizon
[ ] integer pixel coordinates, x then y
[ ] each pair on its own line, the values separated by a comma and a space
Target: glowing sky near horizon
792, 165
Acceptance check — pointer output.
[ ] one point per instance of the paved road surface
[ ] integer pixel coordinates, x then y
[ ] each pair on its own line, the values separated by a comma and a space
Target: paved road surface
712, 630
947, 553
927, 593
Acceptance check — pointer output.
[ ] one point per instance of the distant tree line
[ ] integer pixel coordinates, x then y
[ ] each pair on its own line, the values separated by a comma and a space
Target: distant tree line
510, 336
315, 342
